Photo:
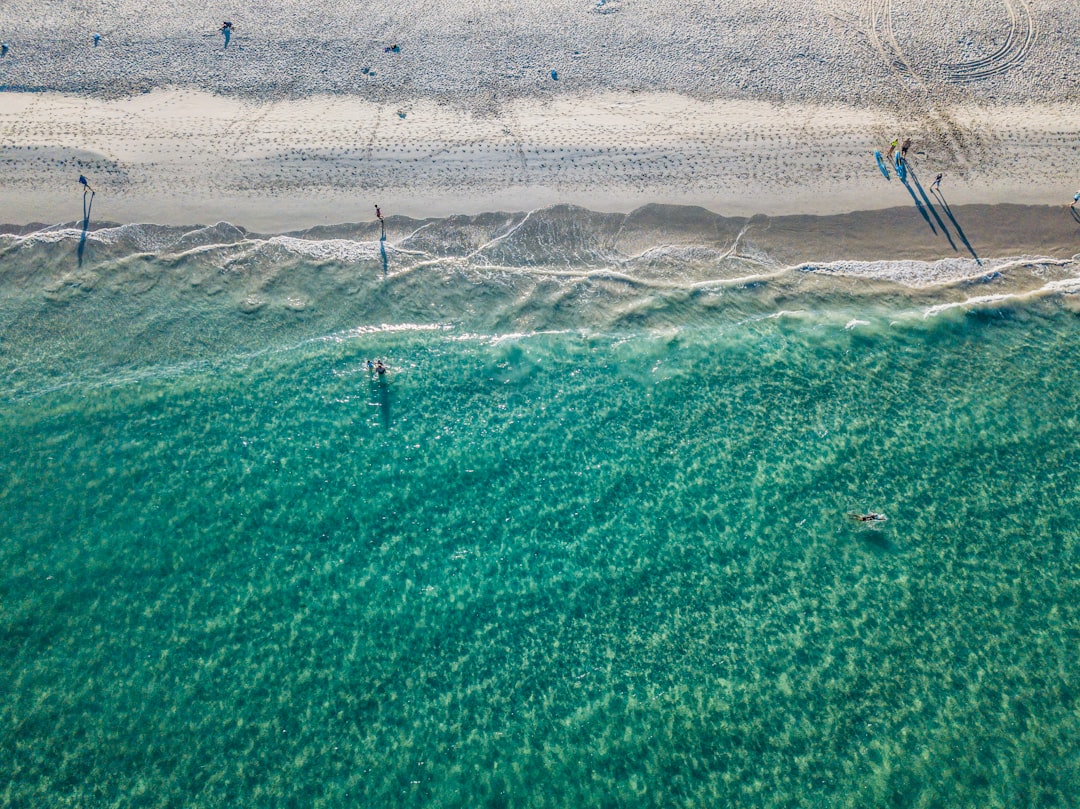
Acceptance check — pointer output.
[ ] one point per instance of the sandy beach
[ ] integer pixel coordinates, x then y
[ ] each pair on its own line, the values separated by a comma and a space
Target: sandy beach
742, 108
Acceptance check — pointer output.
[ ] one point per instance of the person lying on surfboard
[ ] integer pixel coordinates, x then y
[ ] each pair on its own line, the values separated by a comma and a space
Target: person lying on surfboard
870, 516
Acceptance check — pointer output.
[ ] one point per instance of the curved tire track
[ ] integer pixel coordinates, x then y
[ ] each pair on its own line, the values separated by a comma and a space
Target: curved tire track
1023, 32
877, 24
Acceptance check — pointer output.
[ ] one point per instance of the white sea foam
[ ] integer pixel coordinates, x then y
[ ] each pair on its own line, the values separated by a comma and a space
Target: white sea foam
1063, 286
344, 250
909, 272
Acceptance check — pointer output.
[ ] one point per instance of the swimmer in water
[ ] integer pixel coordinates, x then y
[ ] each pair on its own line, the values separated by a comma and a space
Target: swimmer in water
870, 516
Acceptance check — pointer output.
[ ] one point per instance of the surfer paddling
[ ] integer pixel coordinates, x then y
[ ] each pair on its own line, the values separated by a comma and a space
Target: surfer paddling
870, 516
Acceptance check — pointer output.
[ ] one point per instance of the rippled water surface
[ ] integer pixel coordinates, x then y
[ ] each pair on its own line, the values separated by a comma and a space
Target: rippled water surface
586, 544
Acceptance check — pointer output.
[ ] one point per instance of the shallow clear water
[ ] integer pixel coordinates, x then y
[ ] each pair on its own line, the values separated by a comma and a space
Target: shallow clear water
590, 566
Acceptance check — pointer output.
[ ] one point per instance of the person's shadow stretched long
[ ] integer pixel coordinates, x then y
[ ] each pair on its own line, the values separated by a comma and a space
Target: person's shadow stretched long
930, 205
959, 230
382, 396
87, 204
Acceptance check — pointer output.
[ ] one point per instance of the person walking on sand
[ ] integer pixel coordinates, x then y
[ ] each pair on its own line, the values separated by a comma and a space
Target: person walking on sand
1076, 199
85, 184
934, 186
904, 147
382, 224
226, 29
892, 148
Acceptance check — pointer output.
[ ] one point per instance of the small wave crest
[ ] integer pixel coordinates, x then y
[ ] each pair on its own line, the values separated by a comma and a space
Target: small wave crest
135, 294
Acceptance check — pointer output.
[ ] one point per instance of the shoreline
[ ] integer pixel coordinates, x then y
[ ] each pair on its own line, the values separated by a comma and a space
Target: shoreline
174, 156
929, 235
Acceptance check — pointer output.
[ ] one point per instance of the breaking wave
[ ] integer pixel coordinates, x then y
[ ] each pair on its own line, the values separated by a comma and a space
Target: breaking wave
142, 294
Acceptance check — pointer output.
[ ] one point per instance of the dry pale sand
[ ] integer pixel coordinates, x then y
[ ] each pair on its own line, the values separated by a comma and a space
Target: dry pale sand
742, 107
185, 156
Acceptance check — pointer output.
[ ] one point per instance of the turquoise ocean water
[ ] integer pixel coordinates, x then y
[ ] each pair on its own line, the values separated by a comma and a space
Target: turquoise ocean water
586, 544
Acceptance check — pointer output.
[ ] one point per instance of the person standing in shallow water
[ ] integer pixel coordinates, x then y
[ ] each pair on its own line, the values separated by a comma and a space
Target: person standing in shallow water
382, 224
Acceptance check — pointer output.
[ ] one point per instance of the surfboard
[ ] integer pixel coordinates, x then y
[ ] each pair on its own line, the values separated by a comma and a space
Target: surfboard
901, 168
881, 164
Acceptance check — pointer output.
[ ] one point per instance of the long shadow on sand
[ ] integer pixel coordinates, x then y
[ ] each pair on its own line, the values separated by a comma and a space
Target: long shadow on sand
382, 251
1075, 213
86, 206
919, 204
959, 230
930, 206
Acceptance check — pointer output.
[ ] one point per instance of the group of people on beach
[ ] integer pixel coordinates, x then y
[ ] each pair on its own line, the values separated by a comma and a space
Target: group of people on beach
936, 184
902, 158
903, 148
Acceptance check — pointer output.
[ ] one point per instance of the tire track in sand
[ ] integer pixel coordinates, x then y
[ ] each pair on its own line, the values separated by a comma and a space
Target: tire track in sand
1023, 33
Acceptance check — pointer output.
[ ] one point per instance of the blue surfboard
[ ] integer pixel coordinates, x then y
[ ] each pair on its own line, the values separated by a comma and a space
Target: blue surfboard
901, 168
881, 164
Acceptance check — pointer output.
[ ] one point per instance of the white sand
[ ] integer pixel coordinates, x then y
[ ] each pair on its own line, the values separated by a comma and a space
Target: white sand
743, 107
